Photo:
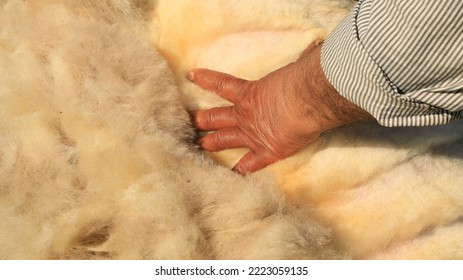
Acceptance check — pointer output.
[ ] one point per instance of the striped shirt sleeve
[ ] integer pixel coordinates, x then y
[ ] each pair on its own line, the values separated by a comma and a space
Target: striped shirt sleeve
402, 61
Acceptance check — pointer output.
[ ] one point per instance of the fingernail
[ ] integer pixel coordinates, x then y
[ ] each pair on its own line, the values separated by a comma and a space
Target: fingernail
190, 75
238, 170
199, 141
192, 115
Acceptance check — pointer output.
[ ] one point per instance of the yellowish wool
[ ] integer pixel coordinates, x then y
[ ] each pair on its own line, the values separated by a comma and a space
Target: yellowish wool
386, 192
97, 159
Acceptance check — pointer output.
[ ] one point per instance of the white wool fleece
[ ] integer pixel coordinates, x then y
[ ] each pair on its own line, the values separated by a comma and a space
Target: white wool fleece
96, 153
386, 192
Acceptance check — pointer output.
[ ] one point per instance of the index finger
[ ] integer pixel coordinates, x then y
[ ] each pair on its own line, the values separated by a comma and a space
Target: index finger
225, 85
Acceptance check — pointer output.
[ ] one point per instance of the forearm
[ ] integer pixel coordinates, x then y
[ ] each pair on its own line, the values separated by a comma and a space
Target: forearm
324, 104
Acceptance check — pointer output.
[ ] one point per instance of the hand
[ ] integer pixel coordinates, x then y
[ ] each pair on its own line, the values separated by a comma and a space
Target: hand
275, 116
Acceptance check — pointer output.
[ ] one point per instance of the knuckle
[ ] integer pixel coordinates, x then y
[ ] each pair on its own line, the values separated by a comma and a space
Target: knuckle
208, 119
216, 139
220, 85
203, 119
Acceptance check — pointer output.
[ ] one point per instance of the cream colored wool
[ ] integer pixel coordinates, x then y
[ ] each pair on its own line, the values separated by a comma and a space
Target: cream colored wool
390, 193
96, 159
96, 153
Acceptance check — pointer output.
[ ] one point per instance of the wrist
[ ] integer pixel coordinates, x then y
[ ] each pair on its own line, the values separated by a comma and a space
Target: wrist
325, 105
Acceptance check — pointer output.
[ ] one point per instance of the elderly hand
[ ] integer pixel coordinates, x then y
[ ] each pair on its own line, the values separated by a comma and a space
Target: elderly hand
275, 116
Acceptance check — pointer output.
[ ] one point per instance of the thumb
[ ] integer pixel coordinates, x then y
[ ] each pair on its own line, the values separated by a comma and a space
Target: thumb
225, 85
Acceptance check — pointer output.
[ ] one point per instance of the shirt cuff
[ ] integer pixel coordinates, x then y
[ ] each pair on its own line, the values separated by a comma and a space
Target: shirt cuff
355, 75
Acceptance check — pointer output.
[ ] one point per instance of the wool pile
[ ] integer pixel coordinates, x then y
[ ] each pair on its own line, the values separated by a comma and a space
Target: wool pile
388, 193
97, 153
97, 159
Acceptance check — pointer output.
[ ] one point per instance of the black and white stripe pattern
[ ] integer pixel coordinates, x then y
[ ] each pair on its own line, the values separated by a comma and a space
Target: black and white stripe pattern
402, 61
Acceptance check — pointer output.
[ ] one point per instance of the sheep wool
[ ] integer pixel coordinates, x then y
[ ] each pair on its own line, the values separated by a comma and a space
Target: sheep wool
387, 193
97, 159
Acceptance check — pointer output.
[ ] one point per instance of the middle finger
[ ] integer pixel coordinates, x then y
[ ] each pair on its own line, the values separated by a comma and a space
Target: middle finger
214, 119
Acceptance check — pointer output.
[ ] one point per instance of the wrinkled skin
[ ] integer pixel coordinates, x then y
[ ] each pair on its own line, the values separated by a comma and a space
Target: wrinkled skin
275, 116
